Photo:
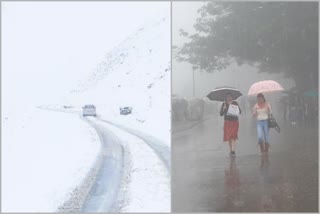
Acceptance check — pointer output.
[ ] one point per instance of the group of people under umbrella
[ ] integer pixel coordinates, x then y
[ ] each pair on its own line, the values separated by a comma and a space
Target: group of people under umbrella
262, 111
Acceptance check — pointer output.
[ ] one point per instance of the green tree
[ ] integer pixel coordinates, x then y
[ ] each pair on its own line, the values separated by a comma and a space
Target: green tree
273, 36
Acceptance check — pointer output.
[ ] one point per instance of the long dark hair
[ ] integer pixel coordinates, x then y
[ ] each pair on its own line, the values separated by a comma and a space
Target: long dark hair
262, 96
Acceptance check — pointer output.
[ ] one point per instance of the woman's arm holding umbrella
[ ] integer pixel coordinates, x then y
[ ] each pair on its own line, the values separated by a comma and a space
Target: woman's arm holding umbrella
223, 109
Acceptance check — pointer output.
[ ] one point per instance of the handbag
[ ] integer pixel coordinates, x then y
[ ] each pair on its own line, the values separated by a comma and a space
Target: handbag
233, 110
272, 123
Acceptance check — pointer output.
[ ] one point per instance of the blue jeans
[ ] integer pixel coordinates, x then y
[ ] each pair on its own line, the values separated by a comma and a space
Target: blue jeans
263, 131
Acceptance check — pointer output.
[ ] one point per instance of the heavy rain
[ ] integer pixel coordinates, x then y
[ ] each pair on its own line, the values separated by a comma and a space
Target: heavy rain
249, 163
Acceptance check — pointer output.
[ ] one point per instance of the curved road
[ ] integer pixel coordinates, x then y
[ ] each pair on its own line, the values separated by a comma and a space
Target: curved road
121, 180
206, 179
123, 164
104, 195
160, 148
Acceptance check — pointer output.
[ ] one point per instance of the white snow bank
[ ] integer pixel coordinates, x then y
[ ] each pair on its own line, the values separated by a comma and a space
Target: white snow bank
148, 189
45, 155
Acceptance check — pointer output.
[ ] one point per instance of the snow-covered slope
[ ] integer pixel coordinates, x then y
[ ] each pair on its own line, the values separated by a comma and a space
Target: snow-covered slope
135, 73
45, 155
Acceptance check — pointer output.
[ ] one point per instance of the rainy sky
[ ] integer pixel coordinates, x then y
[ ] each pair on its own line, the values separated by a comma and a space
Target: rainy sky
184, 15
47, 46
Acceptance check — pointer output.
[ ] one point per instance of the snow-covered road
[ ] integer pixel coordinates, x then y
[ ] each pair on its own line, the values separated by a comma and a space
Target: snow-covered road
104, 195
146, 185
159, 147
131, 174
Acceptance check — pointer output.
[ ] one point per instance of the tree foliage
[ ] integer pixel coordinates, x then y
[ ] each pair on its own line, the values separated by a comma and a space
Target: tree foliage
273, 36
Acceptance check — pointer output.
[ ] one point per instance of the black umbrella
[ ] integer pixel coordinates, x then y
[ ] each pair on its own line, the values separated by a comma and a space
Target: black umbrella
220, 93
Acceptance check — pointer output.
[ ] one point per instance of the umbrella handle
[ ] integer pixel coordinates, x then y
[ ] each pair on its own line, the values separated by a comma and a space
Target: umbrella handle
224, 107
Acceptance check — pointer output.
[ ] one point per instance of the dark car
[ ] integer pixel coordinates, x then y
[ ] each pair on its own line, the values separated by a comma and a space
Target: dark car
125, 110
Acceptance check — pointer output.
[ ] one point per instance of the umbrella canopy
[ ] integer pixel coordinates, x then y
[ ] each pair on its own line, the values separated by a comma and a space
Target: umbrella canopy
220, 93
265, 86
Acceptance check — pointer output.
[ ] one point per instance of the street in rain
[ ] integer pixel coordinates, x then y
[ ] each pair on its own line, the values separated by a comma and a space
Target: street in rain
245, 107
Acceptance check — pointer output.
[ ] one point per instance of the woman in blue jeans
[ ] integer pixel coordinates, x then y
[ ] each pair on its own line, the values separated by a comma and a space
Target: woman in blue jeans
261, 111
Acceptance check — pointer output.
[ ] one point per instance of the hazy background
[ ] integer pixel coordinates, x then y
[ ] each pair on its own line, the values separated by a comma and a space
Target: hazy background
184, 15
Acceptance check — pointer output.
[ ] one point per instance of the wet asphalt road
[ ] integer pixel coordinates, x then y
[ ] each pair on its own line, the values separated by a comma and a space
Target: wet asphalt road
206, 179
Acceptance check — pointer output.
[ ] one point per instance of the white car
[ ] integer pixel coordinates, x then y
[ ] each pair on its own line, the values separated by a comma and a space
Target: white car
89, 110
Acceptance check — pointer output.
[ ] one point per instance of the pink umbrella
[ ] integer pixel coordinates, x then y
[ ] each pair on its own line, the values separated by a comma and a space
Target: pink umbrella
265, 86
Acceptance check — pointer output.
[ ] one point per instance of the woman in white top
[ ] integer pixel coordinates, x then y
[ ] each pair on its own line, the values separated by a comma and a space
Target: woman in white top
261, 111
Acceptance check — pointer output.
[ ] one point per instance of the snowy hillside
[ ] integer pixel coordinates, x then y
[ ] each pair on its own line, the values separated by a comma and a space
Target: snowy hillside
135, 73
53, 159
46, 155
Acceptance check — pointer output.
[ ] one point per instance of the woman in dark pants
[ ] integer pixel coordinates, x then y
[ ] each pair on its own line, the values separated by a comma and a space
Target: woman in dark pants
231, 123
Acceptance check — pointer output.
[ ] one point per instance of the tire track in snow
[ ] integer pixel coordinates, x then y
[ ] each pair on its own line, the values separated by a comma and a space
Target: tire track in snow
148, 187
162, 150
129, 174
104, 195
99, 190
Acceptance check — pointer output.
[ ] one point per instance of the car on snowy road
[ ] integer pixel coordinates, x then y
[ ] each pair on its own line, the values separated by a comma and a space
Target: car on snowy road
89, 110
125, 110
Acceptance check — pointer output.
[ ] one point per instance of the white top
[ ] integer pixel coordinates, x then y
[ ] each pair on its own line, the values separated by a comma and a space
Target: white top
262, 113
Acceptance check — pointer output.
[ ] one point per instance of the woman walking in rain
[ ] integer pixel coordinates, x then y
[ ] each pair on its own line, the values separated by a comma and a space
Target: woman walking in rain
261, 111
230, 110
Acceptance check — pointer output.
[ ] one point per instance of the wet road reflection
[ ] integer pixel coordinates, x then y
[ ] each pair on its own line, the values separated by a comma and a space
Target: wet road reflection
265, 202
206, 179
232, 186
